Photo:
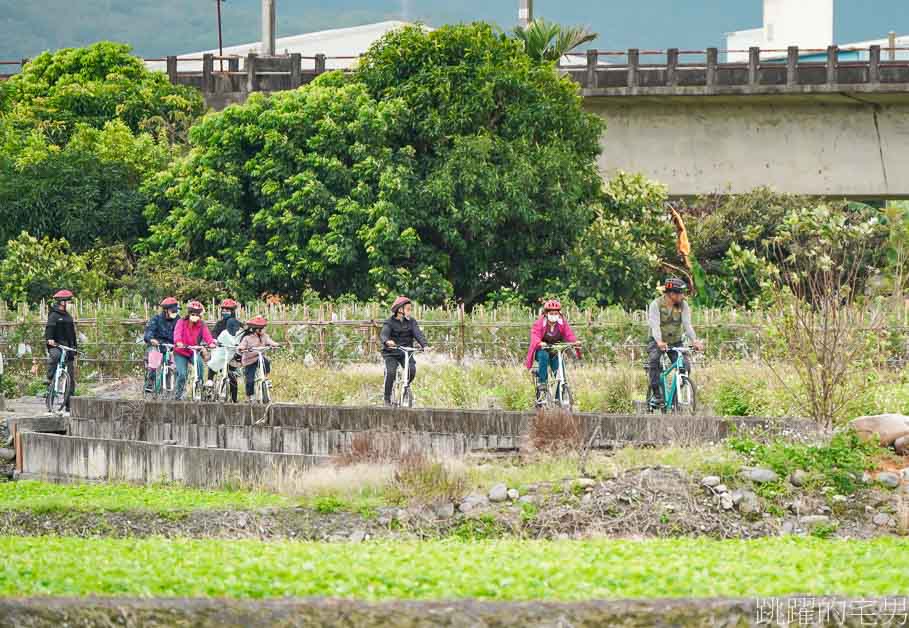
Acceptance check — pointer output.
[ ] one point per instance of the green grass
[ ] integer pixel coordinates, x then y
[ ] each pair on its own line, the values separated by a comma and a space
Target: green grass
503, 569
37, 496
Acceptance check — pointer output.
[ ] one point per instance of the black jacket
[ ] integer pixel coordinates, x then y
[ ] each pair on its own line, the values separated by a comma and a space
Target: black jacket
232, 325
403, 332
61, 328
160, 328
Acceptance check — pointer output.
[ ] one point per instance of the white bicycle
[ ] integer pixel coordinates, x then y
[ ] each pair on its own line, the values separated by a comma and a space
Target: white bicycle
402, 393
557, 392
195, 384
262, 385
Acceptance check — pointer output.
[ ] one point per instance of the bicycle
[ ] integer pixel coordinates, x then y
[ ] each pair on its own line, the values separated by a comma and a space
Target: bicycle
262, 385
557, 393
194, 383
226, 375
165, 374
402, 393
61, 387
679, 394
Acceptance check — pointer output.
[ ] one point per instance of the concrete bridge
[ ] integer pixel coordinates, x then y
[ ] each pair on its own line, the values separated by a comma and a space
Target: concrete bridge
836, 127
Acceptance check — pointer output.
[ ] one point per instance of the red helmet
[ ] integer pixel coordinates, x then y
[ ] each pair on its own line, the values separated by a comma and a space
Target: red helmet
169, 302
399, 303
552, 305
257, 322
195, 307
229, 304
63, 295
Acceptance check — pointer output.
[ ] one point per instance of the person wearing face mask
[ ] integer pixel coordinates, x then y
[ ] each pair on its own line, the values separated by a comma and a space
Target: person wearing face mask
232, 325
190, 331
399, 331
60, 330
254, 338
549, 329
159, 331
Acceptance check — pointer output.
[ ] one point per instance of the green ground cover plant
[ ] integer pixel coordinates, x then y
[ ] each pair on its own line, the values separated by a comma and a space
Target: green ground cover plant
493, 570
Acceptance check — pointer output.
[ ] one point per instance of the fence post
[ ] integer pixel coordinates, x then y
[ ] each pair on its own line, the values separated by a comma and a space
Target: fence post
634, 61
296, 70
712, 57
208, 66
461, 334
672, 67
172, 69
320, 63
593, 60
252, 82
792, 66
754, 65
832, 60
874, 64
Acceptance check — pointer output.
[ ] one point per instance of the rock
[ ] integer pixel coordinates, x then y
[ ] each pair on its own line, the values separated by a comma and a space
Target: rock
797, 507
585, 482
866, 478
7, 454
888, 427
840, 499
814, 520
737, 496
901, 445
386, 516
357, 536
749, 503
711, 481
473, 502
498, 493
881, 519
798, 478
760, 476
443, 510
513, 494
587, 498
241, 521
726, 501
527, 499
905, 474
888, 479
721, 488
788, 527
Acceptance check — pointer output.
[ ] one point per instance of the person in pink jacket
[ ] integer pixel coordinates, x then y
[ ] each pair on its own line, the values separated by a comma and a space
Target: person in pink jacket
191, 331
551, 328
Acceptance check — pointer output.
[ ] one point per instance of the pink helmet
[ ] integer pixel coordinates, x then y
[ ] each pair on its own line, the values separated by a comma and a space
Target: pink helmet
399, 303
552, 305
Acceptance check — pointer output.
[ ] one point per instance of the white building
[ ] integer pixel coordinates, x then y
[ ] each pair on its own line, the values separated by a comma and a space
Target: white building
807, 24
340, 42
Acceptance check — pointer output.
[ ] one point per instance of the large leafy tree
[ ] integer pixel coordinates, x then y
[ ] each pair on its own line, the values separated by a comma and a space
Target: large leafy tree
450, 165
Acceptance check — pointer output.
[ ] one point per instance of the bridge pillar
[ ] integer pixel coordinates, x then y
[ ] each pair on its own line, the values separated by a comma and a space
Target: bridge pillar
296, 70
593, 62
712, 59
634, 62
172, 69
833, 58
792, 66
874, 65
208, 67
252, 81
754, 65
672, 67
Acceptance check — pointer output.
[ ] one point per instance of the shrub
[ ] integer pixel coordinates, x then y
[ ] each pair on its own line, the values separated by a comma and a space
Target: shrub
557, 431
419, 478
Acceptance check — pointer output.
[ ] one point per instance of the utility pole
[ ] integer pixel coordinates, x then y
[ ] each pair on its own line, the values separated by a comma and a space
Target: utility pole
525, 13
220, 38
268, 28
891, 43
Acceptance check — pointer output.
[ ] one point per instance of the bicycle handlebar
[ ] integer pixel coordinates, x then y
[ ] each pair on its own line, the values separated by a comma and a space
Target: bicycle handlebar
409, 349
65, 348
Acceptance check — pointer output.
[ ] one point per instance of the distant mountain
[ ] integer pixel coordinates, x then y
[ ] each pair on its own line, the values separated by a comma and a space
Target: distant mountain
161, 27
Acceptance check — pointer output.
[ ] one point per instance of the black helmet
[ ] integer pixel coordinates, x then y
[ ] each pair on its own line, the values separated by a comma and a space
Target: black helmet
676, 285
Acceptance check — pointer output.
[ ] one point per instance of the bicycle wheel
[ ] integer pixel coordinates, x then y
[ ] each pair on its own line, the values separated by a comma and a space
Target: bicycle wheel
59, 391
397, 392
565, 398
686, 399
196, 390
222, 390
407, 397
265, 391
168, 383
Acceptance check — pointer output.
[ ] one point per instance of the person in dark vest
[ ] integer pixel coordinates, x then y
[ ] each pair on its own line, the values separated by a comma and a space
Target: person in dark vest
399, 331
669, 319
234, 326
60, 330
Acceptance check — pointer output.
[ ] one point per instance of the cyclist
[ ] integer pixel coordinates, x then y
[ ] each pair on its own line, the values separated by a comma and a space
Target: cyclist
254, 338
190, 331
549, 329
232, 325
60, 330
158, 331
669, 318
399, 331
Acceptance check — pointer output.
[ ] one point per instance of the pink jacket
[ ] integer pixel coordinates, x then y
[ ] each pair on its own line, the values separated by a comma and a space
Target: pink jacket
536, 337
190, 335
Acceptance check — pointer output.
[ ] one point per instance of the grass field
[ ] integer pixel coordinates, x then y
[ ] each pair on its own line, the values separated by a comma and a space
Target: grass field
501, 570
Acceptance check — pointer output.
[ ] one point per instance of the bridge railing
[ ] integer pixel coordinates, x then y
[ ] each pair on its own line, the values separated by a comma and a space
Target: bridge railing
763, 69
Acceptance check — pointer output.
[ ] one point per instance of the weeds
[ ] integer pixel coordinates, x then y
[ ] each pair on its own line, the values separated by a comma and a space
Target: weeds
557, 431
423, 480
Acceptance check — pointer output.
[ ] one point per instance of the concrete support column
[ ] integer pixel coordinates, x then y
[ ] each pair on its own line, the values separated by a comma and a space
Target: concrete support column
296, 70
172, 69
672, 67
233, 65
634, 63
874, 64
252, 81
754, 65
320, 63
525, 13
833, 58
269, 26
792, 66
593, 60
208, 66
712, 57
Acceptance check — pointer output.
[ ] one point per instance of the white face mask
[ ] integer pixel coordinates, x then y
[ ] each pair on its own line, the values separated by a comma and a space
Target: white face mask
553, 318
194, 319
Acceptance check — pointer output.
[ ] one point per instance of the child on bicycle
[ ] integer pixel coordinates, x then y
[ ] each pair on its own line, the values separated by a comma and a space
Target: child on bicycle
669, 318
254, 338
232, 325
160, 331
399, 331
190, 331
60, 330
551, 328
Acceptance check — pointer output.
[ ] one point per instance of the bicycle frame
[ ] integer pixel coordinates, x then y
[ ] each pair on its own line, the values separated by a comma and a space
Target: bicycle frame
558, 388
262, 385
193, 382
164, 384
402, 383
62, 371
671, 393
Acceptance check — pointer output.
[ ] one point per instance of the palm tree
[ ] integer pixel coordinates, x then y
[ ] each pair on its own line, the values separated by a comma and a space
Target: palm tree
548, 41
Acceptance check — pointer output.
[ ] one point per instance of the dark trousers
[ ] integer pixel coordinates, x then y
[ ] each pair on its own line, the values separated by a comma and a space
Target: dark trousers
655, 369
251, 376
53, 358
392, 362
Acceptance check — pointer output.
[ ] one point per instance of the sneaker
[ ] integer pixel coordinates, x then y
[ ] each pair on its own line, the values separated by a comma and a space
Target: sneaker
150, 389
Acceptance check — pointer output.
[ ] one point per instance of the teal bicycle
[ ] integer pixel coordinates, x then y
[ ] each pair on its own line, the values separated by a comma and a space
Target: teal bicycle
165, 373
679, 392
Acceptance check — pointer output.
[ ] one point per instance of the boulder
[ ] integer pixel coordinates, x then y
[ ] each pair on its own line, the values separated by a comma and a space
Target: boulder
720, 488
711, 481
7, 454
498, 493
760, 476
473, 502
798, 478
585, 482
881, 519
749, 503
443, 510
814, 520
726, 501
901, 445
888, 479
888, 427
513, 494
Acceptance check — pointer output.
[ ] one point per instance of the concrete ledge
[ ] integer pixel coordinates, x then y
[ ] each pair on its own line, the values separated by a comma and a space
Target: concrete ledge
48, 423
63, 458
199, 613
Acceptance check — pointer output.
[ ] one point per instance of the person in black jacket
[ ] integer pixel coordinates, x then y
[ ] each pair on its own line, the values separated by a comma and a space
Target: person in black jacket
60, 330
159, 331
233, 326
399, 331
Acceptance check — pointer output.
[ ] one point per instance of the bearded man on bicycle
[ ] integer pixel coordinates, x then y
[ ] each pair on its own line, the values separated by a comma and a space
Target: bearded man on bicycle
399, 331
669, 318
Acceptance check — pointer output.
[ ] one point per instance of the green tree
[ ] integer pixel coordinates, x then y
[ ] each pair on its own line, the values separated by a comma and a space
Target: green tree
450, 165
548, 41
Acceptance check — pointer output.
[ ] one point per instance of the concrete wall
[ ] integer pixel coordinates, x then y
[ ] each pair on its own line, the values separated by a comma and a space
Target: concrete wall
54, 457
827, 145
